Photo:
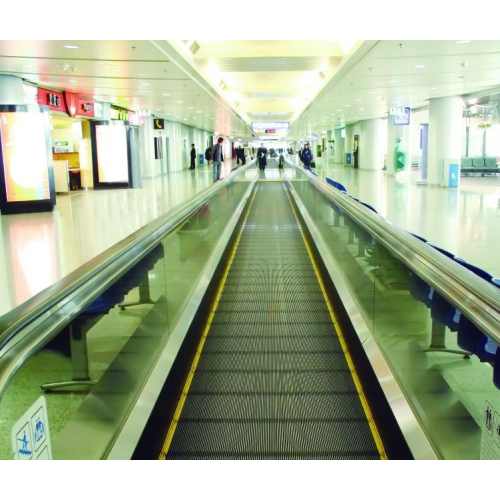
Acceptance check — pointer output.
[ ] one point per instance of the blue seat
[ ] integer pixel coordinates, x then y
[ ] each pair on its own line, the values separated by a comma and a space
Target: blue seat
336, 184
469, 336
441, 310
368, 206
116, 293
421, 238
442, 250
420, 290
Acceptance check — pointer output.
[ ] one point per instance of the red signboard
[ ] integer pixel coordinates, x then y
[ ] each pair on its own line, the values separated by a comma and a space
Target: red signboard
69, 103
54, 100
85, 107
271, 131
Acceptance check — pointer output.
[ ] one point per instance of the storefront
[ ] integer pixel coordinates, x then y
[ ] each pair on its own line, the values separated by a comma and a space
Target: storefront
70, 117
115, 151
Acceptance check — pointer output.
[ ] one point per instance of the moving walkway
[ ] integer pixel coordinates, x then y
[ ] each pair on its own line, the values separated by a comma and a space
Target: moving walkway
274, 321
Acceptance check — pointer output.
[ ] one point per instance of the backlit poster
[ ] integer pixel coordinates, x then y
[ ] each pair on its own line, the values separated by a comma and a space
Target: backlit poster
112, 159
24, 153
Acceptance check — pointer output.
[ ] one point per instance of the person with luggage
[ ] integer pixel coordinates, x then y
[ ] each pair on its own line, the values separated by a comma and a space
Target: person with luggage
217, 158
307, 156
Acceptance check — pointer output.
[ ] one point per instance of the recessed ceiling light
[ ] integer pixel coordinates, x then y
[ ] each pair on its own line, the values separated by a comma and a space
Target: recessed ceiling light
147, 84
462, 41
347, 105
391, 81
199, 111
190, 107
71, 47
166, 95
372, 92
73, 81
180, 102
357, 100
419, 66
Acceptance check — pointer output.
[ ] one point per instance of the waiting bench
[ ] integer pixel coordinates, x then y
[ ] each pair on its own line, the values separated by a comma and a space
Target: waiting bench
479, 165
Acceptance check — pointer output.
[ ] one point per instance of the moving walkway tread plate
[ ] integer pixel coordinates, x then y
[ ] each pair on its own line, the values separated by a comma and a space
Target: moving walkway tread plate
274, 295
308, 436
281, 382
270, 456
272, 330
272, 361
309, 307
273, 406
276, 317
272, 344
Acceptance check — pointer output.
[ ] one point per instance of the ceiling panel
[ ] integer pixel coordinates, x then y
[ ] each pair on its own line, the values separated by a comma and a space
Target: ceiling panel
228, 82
273, 64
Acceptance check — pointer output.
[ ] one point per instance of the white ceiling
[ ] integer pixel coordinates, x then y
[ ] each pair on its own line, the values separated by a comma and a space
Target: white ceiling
224, 85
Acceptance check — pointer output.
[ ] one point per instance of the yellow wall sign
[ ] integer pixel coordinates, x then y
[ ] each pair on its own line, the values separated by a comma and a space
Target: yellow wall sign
159, 124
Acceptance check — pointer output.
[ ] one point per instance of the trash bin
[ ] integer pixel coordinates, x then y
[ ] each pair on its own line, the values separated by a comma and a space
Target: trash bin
348, 160
450, 172
202, 159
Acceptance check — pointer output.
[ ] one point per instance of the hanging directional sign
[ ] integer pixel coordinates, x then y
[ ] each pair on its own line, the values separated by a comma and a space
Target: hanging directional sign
402, 116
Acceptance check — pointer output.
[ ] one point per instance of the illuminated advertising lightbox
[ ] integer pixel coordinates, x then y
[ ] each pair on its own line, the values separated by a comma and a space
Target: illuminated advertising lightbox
112, 160
24, 153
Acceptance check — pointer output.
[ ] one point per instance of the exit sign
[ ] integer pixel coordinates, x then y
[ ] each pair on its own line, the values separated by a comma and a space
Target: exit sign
270, 131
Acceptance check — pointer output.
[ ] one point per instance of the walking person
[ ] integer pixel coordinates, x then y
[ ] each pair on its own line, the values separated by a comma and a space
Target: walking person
217, 158
193, 157
307, 156
262, 157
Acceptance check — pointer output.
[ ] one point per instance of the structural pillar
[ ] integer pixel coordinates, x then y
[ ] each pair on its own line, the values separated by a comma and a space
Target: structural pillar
338, 147
349, 143
11, 90
445, 134
372, 157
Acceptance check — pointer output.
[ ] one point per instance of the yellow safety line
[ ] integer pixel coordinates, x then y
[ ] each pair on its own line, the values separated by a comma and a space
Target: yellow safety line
182, 399
338, 330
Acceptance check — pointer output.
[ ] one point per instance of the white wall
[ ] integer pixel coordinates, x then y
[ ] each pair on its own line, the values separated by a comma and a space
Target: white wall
180, 139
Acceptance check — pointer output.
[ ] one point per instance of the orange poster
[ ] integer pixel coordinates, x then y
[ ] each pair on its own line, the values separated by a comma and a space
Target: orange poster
24, 153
